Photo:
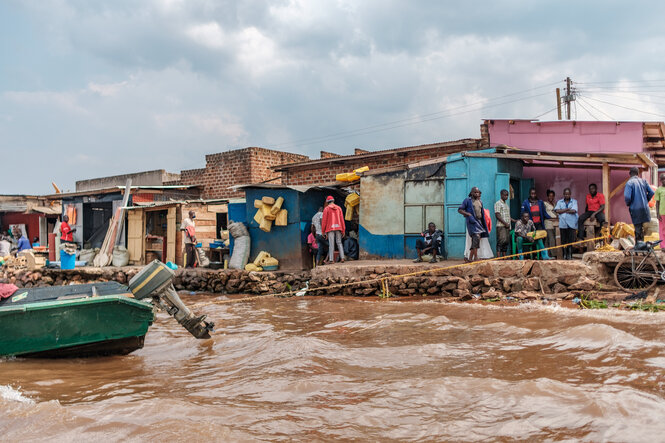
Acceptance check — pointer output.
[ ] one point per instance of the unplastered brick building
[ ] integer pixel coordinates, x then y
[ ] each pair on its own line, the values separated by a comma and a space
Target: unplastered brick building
242, 166
324, 170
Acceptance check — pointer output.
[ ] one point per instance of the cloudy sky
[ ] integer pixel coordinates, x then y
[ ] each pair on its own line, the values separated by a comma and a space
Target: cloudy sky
94, 88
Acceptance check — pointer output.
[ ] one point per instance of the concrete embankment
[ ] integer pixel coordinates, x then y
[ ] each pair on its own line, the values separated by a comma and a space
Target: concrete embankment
519, 279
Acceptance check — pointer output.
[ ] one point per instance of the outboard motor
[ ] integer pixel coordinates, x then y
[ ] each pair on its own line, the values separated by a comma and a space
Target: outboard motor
156, 281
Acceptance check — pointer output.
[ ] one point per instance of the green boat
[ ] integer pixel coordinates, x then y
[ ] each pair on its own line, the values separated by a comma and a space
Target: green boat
92, 319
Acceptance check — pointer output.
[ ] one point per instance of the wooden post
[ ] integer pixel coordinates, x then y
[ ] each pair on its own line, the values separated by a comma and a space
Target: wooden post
606, 190
558, 103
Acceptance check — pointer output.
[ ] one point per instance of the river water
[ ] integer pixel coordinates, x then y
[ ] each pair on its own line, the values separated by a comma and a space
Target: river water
322, 369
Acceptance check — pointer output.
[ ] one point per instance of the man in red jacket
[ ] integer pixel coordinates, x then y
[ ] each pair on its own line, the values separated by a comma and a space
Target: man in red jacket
333, 227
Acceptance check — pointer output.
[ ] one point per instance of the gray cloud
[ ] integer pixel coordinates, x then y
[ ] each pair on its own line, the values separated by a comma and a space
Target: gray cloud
116, 86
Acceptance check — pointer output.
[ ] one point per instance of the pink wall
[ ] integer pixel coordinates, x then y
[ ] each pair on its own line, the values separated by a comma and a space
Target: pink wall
567, 136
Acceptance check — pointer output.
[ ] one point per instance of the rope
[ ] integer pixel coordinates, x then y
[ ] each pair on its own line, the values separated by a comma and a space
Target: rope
383, 280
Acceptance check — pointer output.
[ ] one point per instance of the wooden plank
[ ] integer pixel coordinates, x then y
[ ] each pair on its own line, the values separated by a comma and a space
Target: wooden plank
170, 234
619, 160
647, 160
606, 189
218, 208
614, 168
135, 243
618, 188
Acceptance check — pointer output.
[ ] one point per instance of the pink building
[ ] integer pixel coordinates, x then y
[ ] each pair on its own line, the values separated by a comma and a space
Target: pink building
581, 137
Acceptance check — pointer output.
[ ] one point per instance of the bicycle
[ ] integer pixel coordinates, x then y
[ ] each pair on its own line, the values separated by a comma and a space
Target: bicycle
640, 268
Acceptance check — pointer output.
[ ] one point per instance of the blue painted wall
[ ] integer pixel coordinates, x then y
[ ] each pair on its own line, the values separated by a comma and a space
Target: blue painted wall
286, 243
490, 175
385, 246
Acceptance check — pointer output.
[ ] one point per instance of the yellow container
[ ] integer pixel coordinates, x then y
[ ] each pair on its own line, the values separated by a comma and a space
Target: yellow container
268, 200
259, 258
277, 206
282, 218
361, 170
348, 215
352, 199
258, 217
265, 225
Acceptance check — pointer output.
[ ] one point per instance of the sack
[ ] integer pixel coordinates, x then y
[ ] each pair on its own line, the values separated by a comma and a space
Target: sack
204, 261
120, 256
488, 220
88, 255
241, 245
537, 235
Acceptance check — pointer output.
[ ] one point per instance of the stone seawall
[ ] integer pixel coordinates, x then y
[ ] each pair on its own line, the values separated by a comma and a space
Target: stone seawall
520, 279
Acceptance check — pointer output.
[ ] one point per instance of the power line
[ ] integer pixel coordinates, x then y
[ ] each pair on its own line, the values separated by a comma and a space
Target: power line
616, 95
415, 119
620, 82
587, 111
624, 107
599, 110
356, 133
546, 112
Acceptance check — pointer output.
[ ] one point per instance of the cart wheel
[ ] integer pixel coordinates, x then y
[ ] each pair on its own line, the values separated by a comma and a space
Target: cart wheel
643, 277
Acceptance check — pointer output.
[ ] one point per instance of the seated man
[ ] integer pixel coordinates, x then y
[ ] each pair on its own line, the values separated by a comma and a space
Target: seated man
429, 244
23, 242
523, 229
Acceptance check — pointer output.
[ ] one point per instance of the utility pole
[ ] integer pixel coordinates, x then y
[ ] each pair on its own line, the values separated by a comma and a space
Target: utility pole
568, 100
558, 103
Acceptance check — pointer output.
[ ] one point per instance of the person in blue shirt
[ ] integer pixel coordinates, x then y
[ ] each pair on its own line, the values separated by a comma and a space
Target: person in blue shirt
536, 209
23, 242
472, 209
567, 210
637, 194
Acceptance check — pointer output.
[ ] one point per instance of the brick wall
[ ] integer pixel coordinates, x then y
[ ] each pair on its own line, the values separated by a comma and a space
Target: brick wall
326, 172
484, 135
241, 166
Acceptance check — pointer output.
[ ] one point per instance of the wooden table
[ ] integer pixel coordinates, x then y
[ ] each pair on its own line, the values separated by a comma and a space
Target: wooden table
218, 251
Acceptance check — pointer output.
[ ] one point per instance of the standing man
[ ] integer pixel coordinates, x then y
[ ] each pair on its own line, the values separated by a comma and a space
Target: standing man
595, 205
472, 209
66, 231
637, 194
430, 243
660, 208
536, 209
567, 210
502, 214
190, 239
549, 223
332, 224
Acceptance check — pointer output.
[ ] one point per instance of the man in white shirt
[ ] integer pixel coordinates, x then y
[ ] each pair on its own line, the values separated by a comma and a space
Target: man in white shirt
190, 239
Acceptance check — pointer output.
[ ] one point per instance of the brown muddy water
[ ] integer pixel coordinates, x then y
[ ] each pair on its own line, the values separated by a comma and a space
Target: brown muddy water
337, 369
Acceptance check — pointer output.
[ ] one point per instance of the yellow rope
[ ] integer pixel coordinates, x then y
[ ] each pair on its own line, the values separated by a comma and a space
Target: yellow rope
382, 280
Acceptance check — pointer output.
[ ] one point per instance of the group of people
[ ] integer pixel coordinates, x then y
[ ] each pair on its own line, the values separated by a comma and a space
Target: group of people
327, 232
539, 215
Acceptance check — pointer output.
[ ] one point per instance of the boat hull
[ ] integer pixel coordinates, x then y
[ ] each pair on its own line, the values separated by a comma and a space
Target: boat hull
104, 325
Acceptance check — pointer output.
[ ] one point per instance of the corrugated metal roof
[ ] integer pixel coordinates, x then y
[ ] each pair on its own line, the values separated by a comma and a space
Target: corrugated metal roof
347, 158
298, 188
13, 206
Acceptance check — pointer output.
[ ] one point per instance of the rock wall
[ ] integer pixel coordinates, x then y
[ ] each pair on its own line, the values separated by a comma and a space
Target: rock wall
520, 279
